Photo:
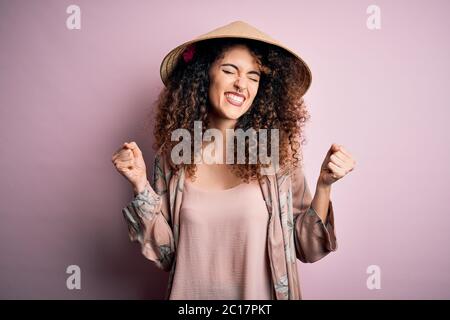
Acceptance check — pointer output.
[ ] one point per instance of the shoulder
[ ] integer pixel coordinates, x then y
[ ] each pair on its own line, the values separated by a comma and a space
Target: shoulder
162, 157
163, 163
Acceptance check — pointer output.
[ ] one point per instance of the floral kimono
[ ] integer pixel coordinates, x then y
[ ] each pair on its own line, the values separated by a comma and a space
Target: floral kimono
295, 230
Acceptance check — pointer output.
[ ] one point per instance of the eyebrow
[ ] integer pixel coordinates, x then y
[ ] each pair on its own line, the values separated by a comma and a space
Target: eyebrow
232, 65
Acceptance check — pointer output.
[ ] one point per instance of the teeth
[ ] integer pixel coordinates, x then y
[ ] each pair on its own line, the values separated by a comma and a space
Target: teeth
235, 98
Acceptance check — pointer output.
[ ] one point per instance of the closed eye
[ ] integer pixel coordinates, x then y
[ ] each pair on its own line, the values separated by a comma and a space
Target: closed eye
228, 72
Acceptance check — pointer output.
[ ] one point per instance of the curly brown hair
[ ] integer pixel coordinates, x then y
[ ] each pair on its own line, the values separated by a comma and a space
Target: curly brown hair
278, 103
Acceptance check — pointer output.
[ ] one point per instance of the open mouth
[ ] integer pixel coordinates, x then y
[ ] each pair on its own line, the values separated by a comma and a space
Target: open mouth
235, 100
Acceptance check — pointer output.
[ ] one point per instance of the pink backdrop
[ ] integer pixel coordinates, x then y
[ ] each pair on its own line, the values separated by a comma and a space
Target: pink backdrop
70, 98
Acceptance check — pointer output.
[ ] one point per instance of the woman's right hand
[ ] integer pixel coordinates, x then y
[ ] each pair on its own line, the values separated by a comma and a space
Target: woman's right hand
129, 161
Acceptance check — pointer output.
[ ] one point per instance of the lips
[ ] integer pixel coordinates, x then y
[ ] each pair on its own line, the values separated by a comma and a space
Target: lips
235, 99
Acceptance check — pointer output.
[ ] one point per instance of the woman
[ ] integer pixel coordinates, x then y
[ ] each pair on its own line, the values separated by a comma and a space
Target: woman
228, 230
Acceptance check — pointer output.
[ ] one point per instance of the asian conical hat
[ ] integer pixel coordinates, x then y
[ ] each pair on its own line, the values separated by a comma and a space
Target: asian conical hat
236, 29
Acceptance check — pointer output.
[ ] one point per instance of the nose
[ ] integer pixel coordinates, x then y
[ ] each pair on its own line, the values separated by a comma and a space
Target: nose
239, 84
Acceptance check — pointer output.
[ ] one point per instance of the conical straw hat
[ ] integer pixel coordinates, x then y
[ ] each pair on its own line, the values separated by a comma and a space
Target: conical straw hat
236, 29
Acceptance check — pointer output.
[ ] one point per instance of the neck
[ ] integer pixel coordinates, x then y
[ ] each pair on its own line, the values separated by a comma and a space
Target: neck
221, 124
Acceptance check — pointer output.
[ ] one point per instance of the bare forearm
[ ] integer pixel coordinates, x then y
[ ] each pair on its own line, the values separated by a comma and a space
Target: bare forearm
320, 202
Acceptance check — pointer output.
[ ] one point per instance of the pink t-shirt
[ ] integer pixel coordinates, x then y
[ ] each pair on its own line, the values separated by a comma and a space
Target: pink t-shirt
222, 249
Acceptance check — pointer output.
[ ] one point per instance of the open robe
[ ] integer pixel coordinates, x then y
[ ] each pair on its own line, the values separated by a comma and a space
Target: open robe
295, 230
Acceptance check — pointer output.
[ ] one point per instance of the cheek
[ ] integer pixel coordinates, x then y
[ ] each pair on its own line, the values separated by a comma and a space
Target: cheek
215, 96
253, 94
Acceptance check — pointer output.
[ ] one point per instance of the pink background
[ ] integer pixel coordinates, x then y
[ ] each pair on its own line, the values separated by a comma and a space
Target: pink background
70, 98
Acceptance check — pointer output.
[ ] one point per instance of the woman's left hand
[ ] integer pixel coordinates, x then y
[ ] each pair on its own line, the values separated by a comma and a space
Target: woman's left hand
338, 162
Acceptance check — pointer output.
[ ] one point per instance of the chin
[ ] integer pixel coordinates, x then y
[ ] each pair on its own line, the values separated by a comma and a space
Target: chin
233, 116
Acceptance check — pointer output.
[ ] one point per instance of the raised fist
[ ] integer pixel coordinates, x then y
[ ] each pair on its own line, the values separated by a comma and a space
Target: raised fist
129, 161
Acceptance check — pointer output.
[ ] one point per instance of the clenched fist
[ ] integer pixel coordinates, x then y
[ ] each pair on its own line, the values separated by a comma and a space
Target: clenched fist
338, 163
129, 161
